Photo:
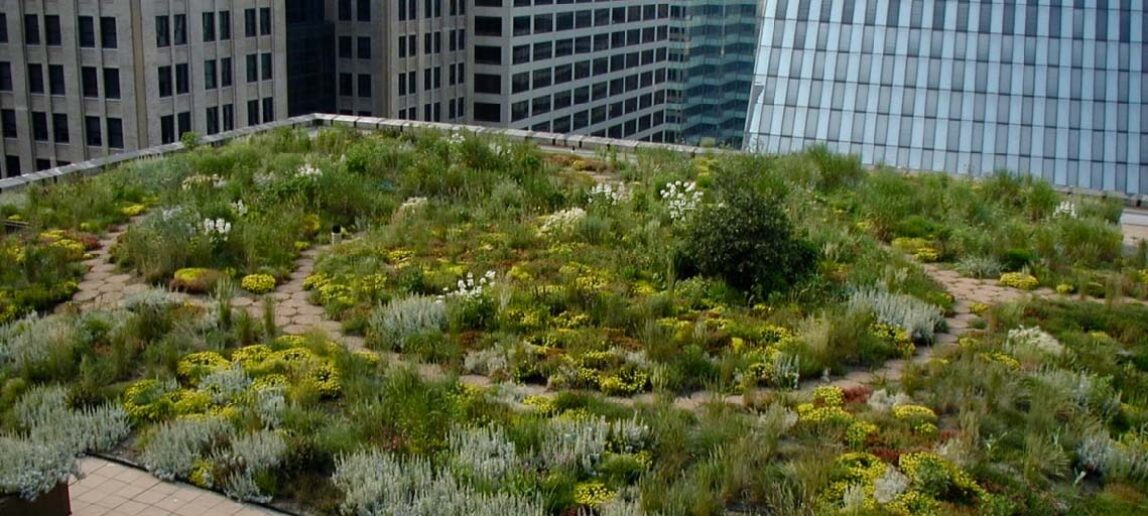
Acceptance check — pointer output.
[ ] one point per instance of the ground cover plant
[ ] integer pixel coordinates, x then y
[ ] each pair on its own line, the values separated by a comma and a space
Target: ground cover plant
590, 292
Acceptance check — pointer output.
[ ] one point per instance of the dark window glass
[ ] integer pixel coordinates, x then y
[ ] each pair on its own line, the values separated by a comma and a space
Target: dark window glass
345, 10
39, 126
345, 47
180, 23
31, 29
208, 26
12, 163
115, 133
212, 119
225, 72
182, 79
184, 123
89, 77
253, 112
3, 28
487, 112
365, 85
5, 76
346, 84
60, 128
56, 80
252, 68
489, 25
8, 123
167, 129
265, 21
266, 66
162, 31
209, 74
165, 89
87, 29
112, 83
268, 109
224, 25
364, 48
249, 28
363, 11
35, 78
108, 36
92, 134
228, 117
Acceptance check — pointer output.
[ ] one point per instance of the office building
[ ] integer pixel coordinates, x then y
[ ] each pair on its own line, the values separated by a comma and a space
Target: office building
1054, 89
79, 80
599, 68
716, 52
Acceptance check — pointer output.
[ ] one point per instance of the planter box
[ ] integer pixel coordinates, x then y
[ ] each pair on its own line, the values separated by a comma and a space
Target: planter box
53, 503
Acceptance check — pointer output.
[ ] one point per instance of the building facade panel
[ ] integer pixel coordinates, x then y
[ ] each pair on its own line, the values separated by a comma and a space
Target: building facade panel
1054, 88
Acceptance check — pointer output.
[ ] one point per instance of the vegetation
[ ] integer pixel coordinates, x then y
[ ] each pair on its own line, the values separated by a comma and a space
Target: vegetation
733, 274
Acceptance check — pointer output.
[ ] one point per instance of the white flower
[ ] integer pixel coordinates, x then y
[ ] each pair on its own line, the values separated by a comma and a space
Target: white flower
239, 208
561, 221
308, 171
467, 287
199, 180
682, 198
216, 229
605, 193
1065, 209
413, 204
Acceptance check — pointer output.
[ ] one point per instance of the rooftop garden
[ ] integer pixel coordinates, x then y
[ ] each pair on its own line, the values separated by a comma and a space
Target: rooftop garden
500, 329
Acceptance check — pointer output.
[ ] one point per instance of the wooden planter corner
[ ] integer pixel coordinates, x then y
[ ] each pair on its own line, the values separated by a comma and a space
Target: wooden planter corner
53, 503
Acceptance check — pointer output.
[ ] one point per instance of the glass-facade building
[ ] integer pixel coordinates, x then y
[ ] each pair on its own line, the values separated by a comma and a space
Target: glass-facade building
718, 47
1050, 87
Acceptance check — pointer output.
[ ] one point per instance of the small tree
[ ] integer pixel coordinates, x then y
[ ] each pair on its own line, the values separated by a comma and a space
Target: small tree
747, 240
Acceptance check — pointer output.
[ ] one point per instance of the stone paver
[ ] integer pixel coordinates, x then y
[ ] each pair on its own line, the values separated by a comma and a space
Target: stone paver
112, 489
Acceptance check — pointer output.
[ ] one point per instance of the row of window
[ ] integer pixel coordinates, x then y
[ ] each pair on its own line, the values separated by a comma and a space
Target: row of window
408, 81
432, 43
432, 112
541, 105
408, 9
216, 118
172, 29
1093, 22
544, 77
93, 128
53, 36
581, 120
259, 68
544, 50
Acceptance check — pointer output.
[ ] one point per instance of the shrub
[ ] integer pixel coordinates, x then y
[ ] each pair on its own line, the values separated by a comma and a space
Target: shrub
394, 324
173, 447
258, 283
917, 317
482, 454
1021, 280
747, 240
979, 267
196, 280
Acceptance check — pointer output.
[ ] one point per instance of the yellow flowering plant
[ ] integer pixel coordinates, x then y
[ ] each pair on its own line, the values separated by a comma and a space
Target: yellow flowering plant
258, 283
1019, 280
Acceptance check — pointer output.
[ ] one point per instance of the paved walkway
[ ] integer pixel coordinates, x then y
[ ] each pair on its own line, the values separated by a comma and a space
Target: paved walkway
111, 489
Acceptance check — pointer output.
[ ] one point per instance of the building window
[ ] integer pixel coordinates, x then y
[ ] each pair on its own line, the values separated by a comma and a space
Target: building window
90, 81
165, 88
208, 27
56, 80
402, 84
115, 133
212, 116
402, 47
364, 10
249, 28
345, 47
12, 163
92, 134
39, 126
209, 74
35, 78
108, 35
346, 83
364, 48
345, 10
43, 164
228, 117
365, 85
182, 79
167, 129
265, 21
5, 76
266, 65
112, 83
162, 31
87, 32
3, 28
225, 72
180, 22
31, 29
252, 68
224, 25
268, 109
253, 112
8, 123
184, 123
487, 112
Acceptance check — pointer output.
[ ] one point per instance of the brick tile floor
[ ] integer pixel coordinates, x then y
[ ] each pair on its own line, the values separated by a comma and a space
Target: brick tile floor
110, 489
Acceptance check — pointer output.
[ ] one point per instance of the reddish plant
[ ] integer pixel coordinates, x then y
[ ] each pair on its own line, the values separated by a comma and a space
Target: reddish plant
857, 393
